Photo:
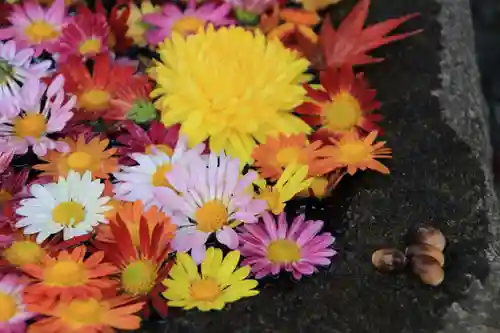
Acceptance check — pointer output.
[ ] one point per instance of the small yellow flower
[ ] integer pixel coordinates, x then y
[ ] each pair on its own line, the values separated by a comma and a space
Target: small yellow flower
136, 27
218, 284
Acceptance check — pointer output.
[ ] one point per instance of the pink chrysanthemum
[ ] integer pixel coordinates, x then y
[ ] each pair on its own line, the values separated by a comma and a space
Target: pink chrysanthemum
173, 19
42, 110
36, 26
271, 247
13, 314
86, 36
138, 140
209, 196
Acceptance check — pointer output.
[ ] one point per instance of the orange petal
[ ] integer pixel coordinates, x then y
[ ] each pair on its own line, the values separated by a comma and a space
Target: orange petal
298, 16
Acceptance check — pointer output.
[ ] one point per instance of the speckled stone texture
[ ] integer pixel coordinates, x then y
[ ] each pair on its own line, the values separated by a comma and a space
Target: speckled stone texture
435, 121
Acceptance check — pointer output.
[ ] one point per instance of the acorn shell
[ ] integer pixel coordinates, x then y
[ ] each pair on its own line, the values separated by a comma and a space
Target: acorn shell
389, 260
428, 270
426, 250
430, 236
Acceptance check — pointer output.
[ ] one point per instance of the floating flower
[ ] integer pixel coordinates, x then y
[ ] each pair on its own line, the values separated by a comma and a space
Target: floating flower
96, 92
343, 103
89, 315
271, 247
82, 156
142, 262
139, 181
173, 20
73, 205
13, 314
273, 156
291, 182
209, 196
85, 36
220, 282
42, 111
354, 152
16, 67
35, 26
138, 140
136, 26
68, 276
223, 90
131, 214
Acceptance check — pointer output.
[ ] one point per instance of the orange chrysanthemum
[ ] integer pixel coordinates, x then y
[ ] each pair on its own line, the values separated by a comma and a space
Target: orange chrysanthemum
354, 152
88, 315
82, 156
131, 214
68, 276
344, 104
273, 156
143, 266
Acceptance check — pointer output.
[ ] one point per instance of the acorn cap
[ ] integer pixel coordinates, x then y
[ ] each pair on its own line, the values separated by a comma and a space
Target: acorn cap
426, 250
428, 270
389, 260
431, 236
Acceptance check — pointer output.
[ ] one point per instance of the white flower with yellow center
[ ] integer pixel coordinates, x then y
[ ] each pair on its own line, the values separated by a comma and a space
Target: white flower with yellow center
73, 205
138, 182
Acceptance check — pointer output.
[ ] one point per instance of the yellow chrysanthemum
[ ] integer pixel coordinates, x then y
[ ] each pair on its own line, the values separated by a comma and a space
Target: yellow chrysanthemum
136, 27
218, 284
231, 86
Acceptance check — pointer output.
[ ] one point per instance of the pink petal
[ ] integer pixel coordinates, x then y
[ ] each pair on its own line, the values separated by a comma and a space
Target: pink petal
228, 237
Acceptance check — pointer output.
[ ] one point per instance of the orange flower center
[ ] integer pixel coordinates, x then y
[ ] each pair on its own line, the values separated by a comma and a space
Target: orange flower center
283, 251
5, 196
32, 125
8, 307
211, 216
139, 277
163, 148
41, 31
355, 152
207, 290
79, 161
68, 213
65, 273
24, 252
187, 25
288, 155
343, 113
159, 178
90, 46
80, 313
94, 100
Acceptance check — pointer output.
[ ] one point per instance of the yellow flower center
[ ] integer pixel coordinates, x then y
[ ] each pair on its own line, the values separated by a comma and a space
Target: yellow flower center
5, 196
68, 213
355, 152
163, 148
288, 155
207, 290
82, 313
65, 273
94, 100
90, 46
139, 277
79, 161
159, 178
211, 216
41, 31
32, 125
343, 113
8, 307
187, 25
283, 251
24, 252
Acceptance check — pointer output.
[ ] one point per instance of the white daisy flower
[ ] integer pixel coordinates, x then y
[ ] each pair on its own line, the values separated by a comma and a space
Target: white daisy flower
138, 182
73, 205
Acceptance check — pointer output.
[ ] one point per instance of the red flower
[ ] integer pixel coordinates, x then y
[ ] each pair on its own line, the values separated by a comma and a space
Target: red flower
117, 20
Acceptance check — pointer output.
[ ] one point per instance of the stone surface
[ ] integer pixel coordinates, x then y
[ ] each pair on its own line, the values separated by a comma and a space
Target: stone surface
436, 123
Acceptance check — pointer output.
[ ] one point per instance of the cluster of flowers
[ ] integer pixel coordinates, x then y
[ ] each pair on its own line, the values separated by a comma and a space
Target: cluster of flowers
133, 137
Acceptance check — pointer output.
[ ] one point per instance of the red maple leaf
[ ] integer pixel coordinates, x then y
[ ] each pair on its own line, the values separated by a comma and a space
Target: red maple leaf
350, 43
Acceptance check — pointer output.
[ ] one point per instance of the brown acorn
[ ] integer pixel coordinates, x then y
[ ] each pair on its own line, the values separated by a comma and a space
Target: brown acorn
431, 236
389, 260
428, 270
426, 250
